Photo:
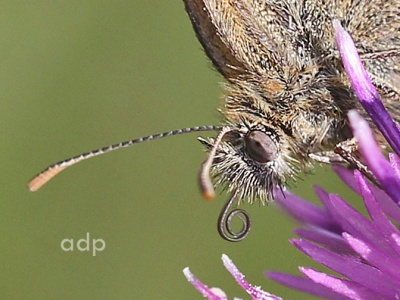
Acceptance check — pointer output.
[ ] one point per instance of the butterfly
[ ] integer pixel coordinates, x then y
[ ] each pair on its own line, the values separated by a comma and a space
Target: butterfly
286, 95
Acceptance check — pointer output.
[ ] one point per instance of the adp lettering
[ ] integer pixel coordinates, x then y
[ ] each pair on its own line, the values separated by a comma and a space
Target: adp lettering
98, 245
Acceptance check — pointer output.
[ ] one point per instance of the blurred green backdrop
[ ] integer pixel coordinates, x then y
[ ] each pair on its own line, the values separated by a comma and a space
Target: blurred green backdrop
78, 75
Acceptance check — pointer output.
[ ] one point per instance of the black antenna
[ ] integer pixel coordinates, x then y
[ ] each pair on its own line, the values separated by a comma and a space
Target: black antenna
43, 177
206, 186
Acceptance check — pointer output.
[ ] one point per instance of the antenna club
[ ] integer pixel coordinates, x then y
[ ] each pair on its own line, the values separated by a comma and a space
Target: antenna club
41, 179
206, 185
208, 195
33, 186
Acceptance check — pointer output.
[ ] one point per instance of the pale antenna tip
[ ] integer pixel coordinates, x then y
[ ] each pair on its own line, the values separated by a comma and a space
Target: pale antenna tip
41, 179
208, 195
206, 185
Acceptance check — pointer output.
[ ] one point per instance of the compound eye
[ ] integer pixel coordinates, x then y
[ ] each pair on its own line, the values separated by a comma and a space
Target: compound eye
260, 146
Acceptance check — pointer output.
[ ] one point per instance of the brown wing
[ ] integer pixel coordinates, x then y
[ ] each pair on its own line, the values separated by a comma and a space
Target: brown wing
243, 36
206, 32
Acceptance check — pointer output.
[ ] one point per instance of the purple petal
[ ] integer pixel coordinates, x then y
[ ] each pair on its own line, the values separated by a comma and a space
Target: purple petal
352, 221
324, 197
304, 211
255, 292
379, 219
304, 285
351, 268
348, 219
326, 238
346, 288
389, 207
396, 239
358, 225
210, 293
386, 264
376, 162
395, 163
364, 88
347, 176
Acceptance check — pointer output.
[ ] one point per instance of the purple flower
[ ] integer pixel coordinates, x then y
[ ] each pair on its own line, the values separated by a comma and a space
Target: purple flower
218, 294
363, 252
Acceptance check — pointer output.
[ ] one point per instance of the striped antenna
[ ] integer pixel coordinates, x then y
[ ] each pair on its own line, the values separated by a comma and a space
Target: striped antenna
43, 177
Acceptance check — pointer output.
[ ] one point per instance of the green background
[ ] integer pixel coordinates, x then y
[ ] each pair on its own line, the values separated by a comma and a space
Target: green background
78, 75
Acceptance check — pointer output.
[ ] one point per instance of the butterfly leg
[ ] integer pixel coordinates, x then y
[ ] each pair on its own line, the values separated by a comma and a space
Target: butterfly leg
345, 152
